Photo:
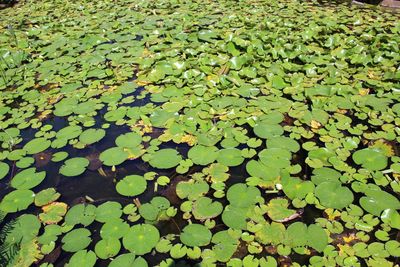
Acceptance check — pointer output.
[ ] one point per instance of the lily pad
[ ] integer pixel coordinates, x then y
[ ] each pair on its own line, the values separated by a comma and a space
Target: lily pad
131, 185
230, 157
107, 248
17, 200
82, 258
165, 158
108, 211
76, 240
114, 156
241, 195
377, 201
4, 169
204, 208
28, 179
203, 155
333, 195
114, 228
277, 209
74, 167
37, 145
371, 159
141, 238
195, 235
128, 260
91, 136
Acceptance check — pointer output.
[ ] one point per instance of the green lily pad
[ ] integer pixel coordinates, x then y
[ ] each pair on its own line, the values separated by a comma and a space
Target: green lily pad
141, 238
82, 258
235, 217
74, 167
27, 179
371, 159
4, 169
114, 156
107, 248
69, 132
91, 136
333, 195
59, 156
203, 155
230, 157
37, 145
267, 130
80, 214
151, 211
191, 189
17, 200
225, 245
76, 240
108, 211
114, 228
131, 185
46, 196
195, 235
377, 201
165, 158
129, 140
204, 208
128, 260
241, 195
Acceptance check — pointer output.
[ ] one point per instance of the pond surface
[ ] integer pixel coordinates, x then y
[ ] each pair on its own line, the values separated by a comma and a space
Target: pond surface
199, 133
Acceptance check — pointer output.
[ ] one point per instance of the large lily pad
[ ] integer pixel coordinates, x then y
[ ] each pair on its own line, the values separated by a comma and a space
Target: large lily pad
76, 240
141, 238
203, 155
371, 159
165, 158
333, 195
27, 179
17, 200
195, 235
131, 185
74, 166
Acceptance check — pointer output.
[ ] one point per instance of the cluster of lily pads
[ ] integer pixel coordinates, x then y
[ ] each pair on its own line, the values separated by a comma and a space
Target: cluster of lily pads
263, 133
